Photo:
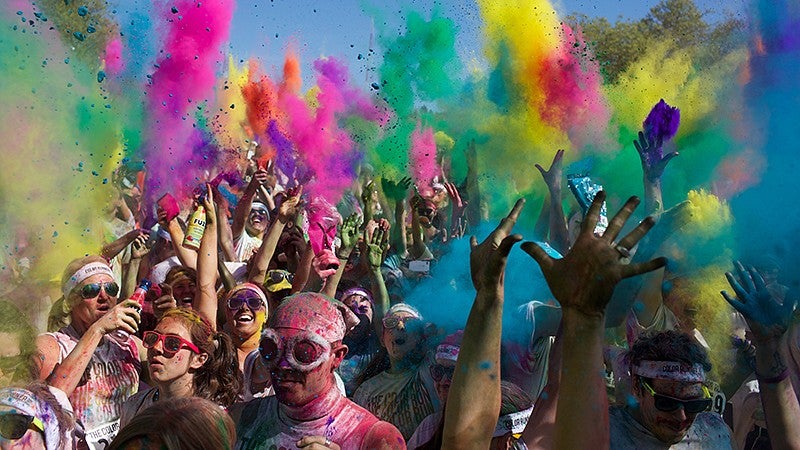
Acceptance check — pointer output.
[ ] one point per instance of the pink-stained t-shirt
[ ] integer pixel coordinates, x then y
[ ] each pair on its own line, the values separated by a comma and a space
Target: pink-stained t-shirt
265, 424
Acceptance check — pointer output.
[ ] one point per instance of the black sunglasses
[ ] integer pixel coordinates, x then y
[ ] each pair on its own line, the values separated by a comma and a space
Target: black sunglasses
669, 404
93, 290
14, 426
276, 276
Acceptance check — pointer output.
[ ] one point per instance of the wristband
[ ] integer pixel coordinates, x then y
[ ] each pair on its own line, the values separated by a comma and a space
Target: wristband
773, 380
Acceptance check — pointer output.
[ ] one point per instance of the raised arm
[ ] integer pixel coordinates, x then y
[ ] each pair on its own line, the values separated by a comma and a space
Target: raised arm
583, 282
246, 202
376, 240
186, 256
473, 402
286, 212
112, 249
205, 298
349, 235
559, 236
653, 164
769, 320
397, 192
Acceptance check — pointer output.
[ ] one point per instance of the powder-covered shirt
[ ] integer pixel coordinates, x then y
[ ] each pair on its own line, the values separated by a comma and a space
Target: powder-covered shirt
403, 399
110, 378
245, 246
263, 425
708, 432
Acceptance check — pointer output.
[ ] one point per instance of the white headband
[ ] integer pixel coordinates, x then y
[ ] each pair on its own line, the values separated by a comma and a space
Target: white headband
513, 423
671, 370
83, 273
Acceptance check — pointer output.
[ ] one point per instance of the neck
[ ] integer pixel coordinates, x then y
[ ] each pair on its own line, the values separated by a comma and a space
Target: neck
79, 326
319, 407
182, 387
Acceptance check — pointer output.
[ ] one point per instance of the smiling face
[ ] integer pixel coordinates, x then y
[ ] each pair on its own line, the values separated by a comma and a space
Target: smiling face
87, 311
183, 290
256, 222
245, 321
165, 369
669, 427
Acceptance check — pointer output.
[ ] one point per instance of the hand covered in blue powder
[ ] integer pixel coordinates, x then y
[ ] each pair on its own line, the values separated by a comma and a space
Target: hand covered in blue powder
767, 318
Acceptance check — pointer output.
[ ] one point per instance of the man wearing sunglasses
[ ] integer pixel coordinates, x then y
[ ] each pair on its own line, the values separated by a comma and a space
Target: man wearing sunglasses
668, 371
303, 347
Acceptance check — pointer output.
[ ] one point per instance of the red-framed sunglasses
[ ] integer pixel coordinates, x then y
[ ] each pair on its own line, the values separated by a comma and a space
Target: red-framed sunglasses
171, 343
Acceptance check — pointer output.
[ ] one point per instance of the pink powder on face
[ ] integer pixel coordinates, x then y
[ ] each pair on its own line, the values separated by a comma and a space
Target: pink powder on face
184, 78
424, 167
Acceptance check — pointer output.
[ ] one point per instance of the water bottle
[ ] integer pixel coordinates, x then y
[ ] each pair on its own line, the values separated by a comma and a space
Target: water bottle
138, 295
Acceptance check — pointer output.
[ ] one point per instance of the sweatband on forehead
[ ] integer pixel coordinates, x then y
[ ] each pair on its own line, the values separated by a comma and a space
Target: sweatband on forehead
513, 423
670, 370
93, 268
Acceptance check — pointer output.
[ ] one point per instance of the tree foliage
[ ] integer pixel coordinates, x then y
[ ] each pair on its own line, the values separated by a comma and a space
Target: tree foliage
679, 22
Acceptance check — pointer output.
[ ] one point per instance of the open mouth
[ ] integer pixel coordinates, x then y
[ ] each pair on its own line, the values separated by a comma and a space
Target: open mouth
244, 318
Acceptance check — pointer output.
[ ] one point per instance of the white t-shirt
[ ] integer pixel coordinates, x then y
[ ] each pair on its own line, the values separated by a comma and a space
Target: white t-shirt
708, 432
245, 246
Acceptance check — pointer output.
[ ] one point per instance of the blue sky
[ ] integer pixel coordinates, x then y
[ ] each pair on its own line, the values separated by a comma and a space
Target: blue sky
263, 28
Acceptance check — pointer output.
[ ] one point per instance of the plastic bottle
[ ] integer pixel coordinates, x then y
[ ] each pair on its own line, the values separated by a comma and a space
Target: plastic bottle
138, 295
194, 231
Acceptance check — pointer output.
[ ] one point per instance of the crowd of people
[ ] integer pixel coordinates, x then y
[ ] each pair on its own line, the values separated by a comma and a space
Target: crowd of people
286, 326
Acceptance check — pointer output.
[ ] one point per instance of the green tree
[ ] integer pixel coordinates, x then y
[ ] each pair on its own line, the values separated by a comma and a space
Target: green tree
679, 22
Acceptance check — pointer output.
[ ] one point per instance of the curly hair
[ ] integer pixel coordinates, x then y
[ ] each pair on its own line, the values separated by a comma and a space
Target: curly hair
668, 345
220, 379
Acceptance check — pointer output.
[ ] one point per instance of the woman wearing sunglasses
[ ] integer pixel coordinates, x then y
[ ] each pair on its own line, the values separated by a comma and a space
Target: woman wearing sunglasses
36, 417
187, 359
96, 367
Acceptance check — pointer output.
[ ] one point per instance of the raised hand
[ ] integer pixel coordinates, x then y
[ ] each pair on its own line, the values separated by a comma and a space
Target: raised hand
487, 261
552, 176
290, 204
767, 318
376, 239
585, 277
651, 153
396, 191
139, 246
208, 204
349, 232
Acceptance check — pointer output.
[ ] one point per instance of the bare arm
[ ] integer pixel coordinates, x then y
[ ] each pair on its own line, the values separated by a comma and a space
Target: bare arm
130, 277
224, 231
376, 239
205, 299
769, 321
396, 192
473, 402
287, 211
246, 202
559, 236
112, 249
186, 256
583, 282
67, 375
349, 235
652, 168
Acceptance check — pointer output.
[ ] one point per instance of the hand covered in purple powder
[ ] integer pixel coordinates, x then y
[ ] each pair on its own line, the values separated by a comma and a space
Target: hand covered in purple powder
652, 155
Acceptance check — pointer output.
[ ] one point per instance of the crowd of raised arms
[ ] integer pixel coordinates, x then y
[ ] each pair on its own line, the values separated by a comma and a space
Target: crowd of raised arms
263, 319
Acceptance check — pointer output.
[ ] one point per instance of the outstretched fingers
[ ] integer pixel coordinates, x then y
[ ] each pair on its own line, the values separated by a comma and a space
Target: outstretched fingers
636, 235
631, 270
619, 220
538, 254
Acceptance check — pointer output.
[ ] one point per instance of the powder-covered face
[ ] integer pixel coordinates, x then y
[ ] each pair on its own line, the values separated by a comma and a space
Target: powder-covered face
403, 339
244, 321
85, 312
183, 291
669, 427
322, 222
296, 388
359, 305
164, 369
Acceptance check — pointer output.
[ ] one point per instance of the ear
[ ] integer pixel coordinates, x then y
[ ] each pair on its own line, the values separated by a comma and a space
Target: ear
338, 355
198, 361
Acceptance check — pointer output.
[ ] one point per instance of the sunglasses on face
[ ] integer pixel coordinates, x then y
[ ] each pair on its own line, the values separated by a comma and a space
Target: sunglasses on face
258, 212
439, 372
14, 426
392, 321
170, 343
669, 404
93, 290
237, 301
277, 276
303, 353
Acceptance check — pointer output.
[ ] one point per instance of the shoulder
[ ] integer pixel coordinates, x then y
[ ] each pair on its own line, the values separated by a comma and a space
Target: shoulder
383, 435
711, 424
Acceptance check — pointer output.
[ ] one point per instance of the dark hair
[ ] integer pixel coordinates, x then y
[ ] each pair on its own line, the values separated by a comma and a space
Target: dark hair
512, 399
668, 346
180, 423
220, 379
